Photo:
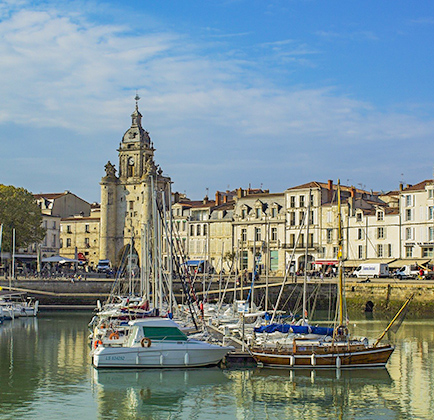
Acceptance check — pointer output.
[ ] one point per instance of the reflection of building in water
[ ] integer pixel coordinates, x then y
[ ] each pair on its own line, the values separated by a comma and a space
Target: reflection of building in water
412, 369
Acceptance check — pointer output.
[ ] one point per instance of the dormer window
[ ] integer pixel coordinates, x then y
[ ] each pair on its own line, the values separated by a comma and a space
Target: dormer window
380, 215
243, 213
258, 213
359, 217
274, 212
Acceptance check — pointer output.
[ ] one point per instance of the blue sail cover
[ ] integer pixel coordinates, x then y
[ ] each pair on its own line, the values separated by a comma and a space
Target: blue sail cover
296, 329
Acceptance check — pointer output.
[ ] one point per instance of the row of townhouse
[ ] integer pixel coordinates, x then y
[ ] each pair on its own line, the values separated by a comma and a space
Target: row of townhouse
253, 227
270, 231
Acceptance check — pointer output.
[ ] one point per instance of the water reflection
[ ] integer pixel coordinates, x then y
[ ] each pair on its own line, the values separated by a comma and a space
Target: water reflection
45, 368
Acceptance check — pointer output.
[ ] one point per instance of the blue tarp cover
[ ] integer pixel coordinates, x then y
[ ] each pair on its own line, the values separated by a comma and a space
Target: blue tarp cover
194, 262
296, 329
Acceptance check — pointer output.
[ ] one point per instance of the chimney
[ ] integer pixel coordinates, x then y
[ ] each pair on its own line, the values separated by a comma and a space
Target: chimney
353, 192
400, 186
205, 199
225, 199
330, 190
217, 198
176, 197
239, 192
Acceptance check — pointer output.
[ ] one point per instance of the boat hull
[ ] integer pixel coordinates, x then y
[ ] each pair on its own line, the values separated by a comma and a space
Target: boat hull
177, 355
372, 357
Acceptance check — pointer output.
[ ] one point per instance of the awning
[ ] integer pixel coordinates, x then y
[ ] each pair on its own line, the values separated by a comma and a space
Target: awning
58, 259
356, 263
326, 262
194, 263
407, 261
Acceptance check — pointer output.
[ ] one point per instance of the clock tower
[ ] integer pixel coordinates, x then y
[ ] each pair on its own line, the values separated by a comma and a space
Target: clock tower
129, 200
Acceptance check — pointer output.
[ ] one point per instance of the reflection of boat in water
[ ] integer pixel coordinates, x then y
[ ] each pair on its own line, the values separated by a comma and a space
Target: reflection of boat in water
123, 392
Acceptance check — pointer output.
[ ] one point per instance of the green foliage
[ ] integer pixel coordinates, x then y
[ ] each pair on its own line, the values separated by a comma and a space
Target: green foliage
19, 210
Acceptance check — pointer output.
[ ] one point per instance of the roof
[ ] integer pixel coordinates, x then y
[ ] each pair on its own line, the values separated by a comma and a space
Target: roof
419, 186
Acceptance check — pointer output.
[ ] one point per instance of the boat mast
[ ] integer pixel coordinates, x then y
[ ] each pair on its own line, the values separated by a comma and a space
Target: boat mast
340, 268
305, 260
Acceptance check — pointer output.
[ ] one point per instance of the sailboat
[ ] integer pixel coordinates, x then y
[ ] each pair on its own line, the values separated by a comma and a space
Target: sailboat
336, 351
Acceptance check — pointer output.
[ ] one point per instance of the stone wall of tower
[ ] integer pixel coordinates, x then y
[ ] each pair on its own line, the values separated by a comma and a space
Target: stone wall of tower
108, 219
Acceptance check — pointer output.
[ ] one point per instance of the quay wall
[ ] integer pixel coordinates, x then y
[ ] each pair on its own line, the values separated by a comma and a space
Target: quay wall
386, 297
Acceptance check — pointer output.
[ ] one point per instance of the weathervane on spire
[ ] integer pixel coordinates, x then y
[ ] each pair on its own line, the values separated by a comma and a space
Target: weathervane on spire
137, 98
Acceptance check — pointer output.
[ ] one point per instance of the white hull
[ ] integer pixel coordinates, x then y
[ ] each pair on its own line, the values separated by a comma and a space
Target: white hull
174, 355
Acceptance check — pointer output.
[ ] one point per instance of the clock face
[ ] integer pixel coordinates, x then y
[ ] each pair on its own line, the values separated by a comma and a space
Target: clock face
131, 160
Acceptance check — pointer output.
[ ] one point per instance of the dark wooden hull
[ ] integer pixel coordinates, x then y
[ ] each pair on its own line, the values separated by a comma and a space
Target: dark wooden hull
332, 357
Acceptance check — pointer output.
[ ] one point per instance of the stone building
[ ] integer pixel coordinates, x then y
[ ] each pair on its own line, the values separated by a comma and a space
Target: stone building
132, 201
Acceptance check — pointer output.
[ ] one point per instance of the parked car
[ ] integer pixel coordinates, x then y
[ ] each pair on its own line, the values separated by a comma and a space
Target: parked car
104, 266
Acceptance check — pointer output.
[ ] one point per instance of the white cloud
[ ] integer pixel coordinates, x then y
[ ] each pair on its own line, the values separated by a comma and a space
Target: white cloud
61, 70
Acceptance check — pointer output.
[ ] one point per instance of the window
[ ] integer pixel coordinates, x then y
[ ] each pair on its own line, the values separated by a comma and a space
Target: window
360, 252
409, 251
389, 250
431, 233
329, 236
61, 243
274, 212
301, 243
243, 213
301, 200
68, 242
380, 250
244, 235
198, 230
335, 251
359, 233
408, 233
310, 244
408, 214
191, 230
164, 333
205, 229
380, 233
408, 200
292, 201
301, 217
53, 241
311, 218
430, 213
428, 252
359, 217
311, 201
86, 242
292, 218
183, 225
68, 229
258, 213
292, 240
430, 194
54, 225
244, 260
380, 215
86, 228
131, 205
274, 260
274, 234
257, 234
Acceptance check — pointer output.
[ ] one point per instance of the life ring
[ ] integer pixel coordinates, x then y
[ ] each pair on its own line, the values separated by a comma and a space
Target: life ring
145, 342
114, 336
97, 343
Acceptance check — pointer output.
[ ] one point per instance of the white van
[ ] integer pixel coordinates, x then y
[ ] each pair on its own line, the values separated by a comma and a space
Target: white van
374, 270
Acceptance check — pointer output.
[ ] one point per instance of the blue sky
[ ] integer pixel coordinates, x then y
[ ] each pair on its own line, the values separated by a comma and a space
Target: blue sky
233, 92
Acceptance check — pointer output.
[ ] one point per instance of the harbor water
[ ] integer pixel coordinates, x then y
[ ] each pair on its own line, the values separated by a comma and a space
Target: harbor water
45, 372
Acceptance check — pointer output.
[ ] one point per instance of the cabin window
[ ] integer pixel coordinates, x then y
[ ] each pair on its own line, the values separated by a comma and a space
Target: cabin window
164, 333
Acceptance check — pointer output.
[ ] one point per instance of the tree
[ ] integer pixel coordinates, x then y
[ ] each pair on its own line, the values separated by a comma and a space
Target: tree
19, 211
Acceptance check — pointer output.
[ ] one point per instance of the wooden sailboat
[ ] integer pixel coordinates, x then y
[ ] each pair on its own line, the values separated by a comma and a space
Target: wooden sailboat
338, 351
